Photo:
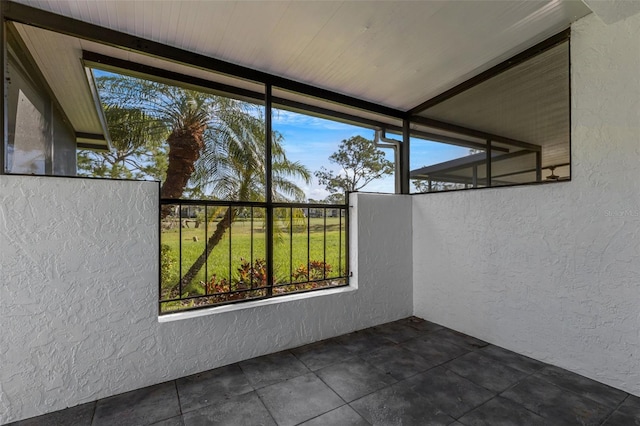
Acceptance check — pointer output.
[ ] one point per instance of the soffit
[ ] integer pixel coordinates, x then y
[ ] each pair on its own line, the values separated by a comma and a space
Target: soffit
393, 53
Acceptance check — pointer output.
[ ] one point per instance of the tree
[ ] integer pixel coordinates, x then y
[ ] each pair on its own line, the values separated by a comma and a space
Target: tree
337, 198
136, 152
192, 117
360, 162
235, 170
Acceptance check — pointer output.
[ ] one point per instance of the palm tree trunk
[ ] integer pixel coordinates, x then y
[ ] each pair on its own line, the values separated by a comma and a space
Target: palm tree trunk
213, 241
185, 146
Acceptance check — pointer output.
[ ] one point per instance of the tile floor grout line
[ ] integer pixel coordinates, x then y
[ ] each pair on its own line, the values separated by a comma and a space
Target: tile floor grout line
475, 408
520, 381
543, 378
496, 394
332, 390
93, 413
266, 408
359, 413
615, 409
175, 384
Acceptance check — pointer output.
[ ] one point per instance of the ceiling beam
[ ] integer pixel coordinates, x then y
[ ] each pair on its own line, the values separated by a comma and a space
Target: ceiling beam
495, 70
454, 128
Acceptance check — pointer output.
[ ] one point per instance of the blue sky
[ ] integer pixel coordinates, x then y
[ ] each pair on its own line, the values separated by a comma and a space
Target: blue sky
311, 140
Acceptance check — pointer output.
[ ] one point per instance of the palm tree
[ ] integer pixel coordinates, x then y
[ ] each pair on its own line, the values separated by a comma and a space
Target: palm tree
189, 114
235, 170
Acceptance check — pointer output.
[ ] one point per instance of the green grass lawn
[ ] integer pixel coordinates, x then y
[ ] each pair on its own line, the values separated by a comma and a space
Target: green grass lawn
226, 257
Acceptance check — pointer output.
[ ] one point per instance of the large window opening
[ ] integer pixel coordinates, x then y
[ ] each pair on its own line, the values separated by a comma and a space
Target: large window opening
511, 126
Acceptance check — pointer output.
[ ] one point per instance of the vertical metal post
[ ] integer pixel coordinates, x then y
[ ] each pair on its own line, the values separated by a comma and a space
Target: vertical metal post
206, 246
475, 176
488, 165
290, 244
159, 241
180, 248
429, 184
269, 185
405, 156
538, 166
48, 165
347, 206
339, 241
251, 251
3, 90
308, 244
229, 212
324, 246
397, 170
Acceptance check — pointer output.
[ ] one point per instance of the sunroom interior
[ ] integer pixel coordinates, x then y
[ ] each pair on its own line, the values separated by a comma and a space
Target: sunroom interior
543, 259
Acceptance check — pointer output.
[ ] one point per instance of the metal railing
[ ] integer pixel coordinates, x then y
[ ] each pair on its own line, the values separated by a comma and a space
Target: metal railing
217, 252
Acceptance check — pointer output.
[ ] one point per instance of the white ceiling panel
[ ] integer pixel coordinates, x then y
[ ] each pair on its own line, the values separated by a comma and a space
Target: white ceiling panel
395, 53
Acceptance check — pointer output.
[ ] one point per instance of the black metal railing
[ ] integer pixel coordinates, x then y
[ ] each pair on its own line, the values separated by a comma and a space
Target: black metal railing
217, 252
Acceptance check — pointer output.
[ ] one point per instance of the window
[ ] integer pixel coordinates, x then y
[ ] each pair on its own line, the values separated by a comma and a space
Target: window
509, 127
39, 138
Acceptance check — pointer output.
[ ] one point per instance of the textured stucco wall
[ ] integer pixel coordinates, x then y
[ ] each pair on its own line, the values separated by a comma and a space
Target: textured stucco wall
553, 271
78, 300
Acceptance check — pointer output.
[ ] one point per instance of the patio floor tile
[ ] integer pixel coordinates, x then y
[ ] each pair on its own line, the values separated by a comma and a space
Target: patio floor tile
245, 410
502, 412
435, 350
343, 416
354, 378
173, 421
555, 404
211, 386
628, 414
512, 359
397, 361
485, 372
299, 399
396, 331
139, 407
364, 341
430, 376
269, 369
460, 339
399, 405
601, 393
322, 354
451, 393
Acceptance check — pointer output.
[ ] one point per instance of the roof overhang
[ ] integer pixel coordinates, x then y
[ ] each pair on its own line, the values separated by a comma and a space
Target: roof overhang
377, 60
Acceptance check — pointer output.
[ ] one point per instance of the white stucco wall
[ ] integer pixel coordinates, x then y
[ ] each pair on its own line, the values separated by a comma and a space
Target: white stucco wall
553, 271
78, 300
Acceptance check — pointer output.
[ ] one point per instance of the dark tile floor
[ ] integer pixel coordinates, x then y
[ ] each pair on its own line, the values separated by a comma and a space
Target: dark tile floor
408, 372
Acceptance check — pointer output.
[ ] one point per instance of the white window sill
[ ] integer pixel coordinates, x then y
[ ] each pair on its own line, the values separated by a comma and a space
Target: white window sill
253, 304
